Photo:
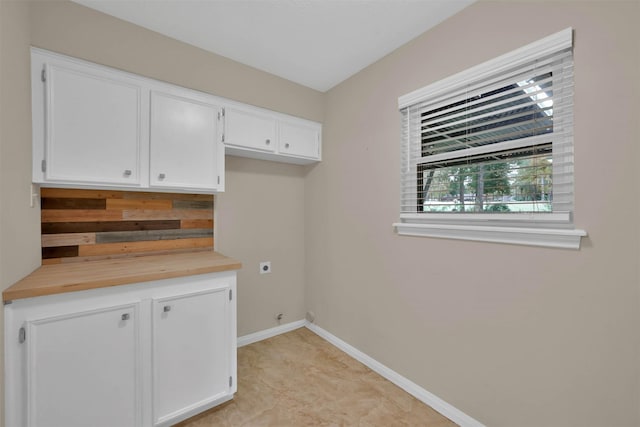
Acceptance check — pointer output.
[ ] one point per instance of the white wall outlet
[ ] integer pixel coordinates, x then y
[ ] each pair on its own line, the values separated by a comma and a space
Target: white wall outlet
265, 267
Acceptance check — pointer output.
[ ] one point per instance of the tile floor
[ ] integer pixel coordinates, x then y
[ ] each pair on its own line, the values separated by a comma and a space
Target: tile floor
299, 379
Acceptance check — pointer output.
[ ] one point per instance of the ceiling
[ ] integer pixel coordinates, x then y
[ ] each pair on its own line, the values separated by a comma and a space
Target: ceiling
316, 43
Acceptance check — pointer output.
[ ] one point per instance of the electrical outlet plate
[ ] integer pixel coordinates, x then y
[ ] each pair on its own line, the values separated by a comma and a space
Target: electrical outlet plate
265, 267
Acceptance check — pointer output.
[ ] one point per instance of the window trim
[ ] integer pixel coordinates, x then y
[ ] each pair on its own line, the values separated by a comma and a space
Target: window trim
554, 230
545, 46
547, 237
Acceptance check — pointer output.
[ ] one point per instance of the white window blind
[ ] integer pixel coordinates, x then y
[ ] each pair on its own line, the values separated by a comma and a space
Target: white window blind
493, 144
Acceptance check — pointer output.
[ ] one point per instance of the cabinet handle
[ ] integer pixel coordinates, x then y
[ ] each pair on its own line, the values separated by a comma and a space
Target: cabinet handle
125, 316
127, 172
286, 145
167, 308
161, 176
268, 141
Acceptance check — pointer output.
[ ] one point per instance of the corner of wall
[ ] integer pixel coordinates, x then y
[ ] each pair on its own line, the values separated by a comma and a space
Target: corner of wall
19, 229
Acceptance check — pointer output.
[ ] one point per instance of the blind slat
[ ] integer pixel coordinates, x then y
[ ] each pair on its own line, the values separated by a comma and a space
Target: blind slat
563, 65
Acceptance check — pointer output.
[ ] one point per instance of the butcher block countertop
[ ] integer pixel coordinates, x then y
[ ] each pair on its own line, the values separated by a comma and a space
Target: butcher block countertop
80, 276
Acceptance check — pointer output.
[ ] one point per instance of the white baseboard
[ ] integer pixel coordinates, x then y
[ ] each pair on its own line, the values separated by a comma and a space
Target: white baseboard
271, 332
449, 411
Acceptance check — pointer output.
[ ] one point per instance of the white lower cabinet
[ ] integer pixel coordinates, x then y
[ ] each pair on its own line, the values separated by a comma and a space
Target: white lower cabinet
300, 140
190, 372
69, 355
147, 354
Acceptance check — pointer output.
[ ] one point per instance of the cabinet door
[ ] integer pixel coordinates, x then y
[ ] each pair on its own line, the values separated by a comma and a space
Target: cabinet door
250, 130
192, 358
299, 140
83, 369
186, 151
93, 127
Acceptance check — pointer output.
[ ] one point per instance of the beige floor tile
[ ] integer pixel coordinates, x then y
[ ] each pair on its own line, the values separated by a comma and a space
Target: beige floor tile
299, 379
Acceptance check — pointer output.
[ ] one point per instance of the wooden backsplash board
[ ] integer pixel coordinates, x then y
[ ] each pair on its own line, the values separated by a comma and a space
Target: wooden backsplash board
79, 225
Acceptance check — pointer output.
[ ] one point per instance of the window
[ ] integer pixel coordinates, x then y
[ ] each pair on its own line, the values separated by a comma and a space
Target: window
487, 154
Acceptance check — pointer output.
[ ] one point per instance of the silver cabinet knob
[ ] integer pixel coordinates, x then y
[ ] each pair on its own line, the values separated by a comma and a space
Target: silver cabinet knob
127, 172
286, 145
167, 308
162, 176
125, 316
268, 141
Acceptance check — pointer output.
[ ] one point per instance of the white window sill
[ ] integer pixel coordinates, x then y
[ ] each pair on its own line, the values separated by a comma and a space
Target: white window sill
547, 237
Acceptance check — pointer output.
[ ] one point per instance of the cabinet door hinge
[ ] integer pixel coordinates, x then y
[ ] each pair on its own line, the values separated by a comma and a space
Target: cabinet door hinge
230, 294
43, 75
230, 381
223, 125
43, 166
22, 335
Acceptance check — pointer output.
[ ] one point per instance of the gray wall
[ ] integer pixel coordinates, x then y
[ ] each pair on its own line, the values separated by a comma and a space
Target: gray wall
19, 224
260, 218
511, 335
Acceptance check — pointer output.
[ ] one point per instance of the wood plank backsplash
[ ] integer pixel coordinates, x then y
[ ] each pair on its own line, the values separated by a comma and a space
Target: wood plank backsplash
80, 225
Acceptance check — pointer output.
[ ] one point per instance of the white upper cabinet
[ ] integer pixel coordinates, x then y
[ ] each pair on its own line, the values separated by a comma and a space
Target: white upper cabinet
148, 354
96, 127
247, 129
93, 126
184, 148
299, 139
263, 134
